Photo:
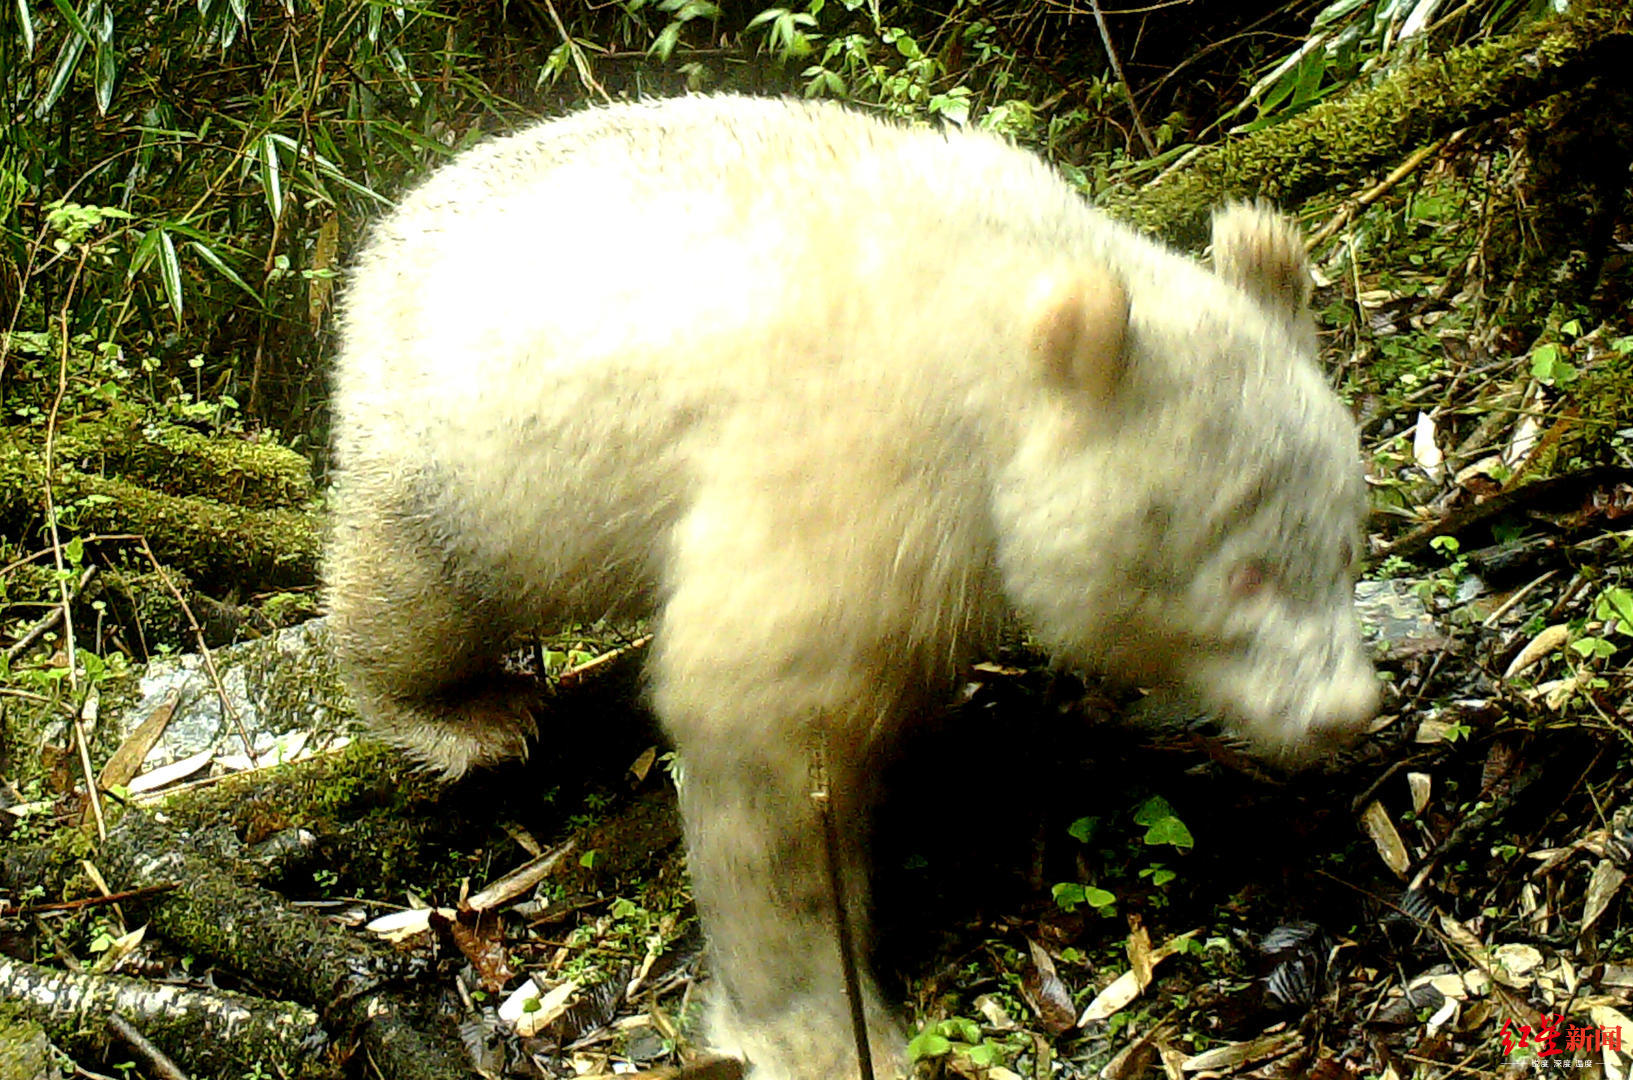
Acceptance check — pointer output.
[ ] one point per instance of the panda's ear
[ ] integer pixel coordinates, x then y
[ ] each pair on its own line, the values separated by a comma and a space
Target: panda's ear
1079, 330
1261, 252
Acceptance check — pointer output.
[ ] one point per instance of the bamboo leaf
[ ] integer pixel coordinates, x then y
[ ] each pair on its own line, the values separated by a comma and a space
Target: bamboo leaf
67, 60
226, 30
104, 70
271, 176
142, 254
384, 125
220, 266
664, 44
25, 21
326, 167
66, 10
169, 271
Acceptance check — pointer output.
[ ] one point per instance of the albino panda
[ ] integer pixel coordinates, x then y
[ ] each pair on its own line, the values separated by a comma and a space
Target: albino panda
832, 399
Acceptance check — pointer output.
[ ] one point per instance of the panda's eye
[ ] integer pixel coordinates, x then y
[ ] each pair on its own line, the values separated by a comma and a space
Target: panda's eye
1247, 578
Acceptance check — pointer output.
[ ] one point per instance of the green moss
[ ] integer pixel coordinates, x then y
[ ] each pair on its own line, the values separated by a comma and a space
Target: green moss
125, 442
288, 608
225, 545
25, 1050
1347, 138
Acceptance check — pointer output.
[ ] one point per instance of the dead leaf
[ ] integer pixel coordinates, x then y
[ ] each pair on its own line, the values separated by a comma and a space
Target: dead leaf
1139, 951
1236, 1054
321, 285
1424, 451
401, 925
1135, 1059
480, 935
1375, 822
519, 880
993, 1013
1421, 785
1044, 991
643, 764
1126, 987
121, 947
532, 1010
1607, 879
165, 775
1432, 730
1546, 643
122, 766
1517, 959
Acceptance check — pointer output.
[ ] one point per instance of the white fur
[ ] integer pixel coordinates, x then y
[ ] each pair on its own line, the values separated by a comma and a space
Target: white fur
801, 384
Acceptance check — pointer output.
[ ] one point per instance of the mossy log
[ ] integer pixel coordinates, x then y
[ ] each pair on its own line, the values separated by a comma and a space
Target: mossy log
264, 543
173, 460
25, 1052
359, 987
1345, 139
208, 1032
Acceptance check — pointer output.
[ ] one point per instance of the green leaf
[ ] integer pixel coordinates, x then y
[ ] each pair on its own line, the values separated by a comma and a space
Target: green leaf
67, 60
1616, 602
170, 272
663, 46
823, 83
768, 15
987, 1055
326, 167
687, 10
1098, 898
954, 106
1153, 810
25, 23
927, 1044
272, 176
1310, 74
208, 254
1170, 831
1542, 362
1593, 647
1084, 828
1333, 12
66, 10
74, 552
142, 254
1162, 826
104, 70
1069, 894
